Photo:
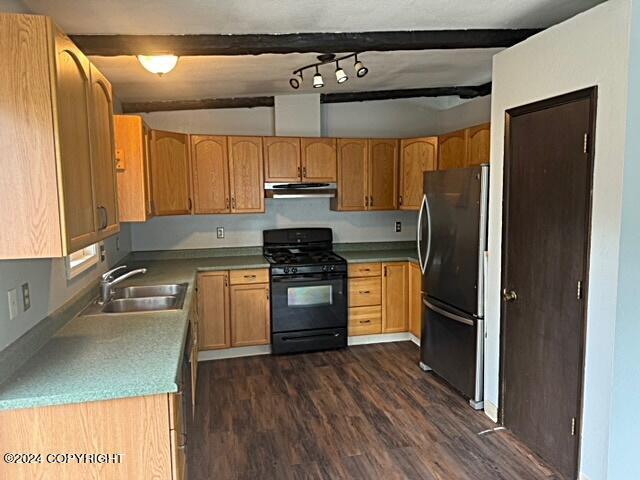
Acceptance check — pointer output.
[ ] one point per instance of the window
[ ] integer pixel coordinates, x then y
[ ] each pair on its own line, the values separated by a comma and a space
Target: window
82, 260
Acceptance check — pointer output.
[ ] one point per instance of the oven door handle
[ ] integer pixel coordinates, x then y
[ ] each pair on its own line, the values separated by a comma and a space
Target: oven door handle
307, 278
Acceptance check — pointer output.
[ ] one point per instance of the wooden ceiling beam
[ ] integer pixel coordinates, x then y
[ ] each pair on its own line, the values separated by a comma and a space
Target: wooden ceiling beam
257, 44
253, 102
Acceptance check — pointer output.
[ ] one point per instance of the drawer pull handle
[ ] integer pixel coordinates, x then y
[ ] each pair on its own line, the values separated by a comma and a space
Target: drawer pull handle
365, 321
249, 276
366, 269
364, 292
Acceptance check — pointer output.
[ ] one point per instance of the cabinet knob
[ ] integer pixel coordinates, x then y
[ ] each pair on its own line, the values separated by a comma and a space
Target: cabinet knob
400, 200
233, 202
304, 172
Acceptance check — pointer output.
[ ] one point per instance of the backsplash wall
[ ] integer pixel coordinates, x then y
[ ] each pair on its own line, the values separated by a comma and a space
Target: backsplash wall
199, 231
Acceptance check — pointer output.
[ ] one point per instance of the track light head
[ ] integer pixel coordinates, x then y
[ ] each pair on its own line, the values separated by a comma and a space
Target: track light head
318, 82
359, 67
295, 84
341, 77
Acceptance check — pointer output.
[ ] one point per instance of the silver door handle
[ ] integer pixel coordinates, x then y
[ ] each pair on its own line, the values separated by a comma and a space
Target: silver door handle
449, 315
419, 236
509, 295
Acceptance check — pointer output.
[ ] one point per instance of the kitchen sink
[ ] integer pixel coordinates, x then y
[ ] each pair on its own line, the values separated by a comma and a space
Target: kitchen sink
143, 298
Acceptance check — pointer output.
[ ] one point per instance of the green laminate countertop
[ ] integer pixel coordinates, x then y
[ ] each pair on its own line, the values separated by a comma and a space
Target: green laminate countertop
112, 356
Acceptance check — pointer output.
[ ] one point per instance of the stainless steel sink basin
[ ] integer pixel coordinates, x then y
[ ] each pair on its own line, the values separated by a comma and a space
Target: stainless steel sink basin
140, 304
144, 298
149, 291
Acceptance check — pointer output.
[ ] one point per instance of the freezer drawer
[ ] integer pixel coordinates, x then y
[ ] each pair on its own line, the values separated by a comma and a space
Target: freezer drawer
452, 348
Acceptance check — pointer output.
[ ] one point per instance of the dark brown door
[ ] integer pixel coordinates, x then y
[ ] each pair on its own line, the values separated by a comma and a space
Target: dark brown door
546, 212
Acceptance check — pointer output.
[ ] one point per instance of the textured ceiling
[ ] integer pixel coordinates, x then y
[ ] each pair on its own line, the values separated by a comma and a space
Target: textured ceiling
230, 76
207, 77
291, 16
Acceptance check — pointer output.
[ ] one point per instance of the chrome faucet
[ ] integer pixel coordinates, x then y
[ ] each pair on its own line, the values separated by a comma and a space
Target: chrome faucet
108, 281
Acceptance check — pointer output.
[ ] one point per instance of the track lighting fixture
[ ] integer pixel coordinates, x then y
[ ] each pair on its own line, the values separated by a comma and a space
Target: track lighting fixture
341, 76
359, 67
317, 79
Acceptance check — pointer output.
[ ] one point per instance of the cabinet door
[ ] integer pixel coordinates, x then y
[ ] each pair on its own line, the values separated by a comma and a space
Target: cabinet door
209, 163
452, 150
319, 159
170, 173
246, 175
73, 87
394, 297
417, 155
383, 174
213, 311
282, 159
415, 299
352, 174
479, 144
250, 318
103, 154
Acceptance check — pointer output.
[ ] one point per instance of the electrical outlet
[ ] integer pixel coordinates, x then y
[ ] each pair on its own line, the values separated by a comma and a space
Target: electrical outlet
398, 227
103, 254
26, 297
220, 232
117, 244
13, 303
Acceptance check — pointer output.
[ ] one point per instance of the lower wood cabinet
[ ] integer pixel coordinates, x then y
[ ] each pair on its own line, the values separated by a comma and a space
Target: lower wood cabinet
250, 315
148, 432
415, 300
234, 309
395, 293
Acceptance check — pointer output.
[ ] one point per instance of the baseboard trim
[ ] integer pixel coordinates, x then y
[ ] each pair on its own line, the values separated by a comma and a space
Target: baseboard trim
491, 410
379, 338
237, 352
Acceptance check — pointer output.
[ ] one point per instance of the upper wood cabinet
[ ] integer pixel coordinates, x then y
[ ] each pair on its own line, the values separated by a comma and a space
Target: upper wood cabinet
213, 307
318, 159
103, 154
395, 308
246, 175
417, 155
452, 150
132, 168
282, 162
352, 184
170, 178
465, 148
210, 172
478, 151
52, 111
383, 174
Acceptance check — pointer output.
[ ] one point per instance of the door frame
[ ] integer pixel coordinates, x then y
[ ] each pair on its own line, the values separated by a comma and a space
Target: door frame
590, 93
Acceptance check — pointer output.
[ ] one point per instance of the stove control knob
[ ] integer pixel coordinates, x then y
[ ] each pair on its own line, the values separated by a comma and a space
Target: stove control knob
286, 269
333, 267
294, 270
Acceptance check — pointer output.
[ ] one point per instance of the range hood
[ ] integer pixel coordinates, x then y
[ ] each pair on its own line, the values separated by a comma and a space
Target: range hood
299, 190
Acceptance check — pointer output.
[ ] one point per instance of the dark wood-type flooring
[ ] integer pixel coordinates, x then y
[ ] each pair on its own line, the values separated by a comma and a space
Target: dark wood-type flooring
366, 412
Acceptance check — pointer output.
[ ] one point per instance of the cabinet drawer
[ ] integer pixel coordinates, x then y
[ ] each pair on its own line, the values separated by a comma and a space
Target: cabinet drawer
245, 277
365, 320
365, 270
365, 291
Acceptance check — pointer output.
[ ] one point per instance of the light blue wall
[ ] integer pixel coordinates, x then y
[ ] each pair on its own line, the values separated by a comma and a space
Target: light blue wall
624, 437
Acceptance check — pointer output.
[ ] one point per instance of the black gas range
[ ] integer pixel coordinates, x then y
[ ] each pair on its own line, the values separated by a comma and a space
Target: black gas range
308, 290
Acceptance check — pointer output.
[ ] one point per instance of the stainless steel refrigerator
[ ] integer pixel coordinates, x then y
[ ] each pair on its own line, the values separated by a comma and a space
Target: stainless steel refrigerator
452, 240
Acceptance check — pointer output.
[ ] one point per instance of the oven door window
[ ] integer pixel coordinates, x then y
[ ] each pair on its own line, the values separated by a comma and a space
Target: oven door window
310, 296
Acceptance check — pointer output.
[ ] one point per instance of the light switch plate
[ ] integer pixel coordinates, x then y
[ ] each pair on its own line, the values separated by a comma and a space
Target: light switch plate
220, 232
26, 297
13, 303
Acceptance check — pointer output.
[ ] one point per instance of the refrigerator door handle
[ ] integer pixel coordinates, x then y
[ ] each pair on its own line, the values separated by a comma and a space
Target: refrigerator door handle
449, 315
419, 231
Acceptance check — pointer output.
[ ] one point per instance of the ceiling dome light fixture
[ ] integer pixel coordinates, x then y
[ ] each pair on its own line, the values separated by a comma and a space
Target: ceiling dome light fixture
317, 79
359, 67
324, 59
341, 77
158, 64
